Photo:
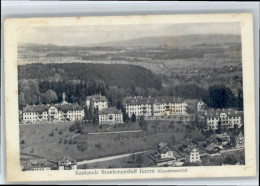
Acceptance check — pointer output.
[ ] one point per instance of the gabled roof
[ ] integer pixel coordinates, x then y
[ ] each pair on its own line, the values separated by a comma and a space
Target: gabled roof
67, 107
139, 100
36, 108
216, 112
111, 110
42, 108
97, 98
67, 159
192, 101
223, 136
211, 147
37, 163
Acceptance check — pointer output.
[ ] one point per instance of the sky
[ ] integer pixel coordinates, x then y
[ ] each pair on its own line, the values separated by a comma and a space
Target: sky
87, 35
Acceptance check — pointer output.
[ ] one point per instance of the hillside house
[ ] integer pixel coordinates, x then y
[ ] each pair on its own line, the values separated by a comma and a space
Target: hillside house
227, 118
38, 165
240, 140
164, 152
66, 163
224, 138
97, 101
110, 116
196, 105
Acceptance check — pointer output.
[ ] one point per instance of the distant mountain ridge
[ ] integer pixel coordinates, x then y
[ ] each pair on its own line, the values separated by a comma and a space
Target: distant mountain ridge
173, 41
176, 41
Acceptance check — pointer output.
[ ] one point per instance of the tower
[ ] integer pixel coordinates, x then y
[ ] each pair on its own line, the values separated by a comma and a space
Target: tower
63, 98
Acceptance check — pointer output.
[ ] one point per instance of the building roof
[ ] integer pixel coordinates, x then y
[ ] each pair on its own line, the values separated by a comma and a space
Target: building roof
36, 108
37, 163
67, 107
42, 108
111, 110
97, 98
211, 147
223, 136
187, 149
192, 101
67, 159
216, 112
151, 100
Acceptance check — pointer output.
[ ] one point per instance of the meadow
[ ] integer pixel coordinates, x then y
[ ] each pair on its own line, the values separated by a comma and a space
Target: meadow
53, 141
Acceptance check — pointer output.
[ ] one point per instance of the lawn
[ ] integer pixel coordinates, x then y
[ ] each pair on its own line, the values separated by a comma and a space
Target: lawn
108, 128
53, 141
126, 162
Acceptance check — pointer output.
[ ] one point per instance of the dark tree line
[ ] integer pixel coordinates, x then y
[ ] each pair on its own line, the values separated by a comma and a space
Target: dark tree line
37, 87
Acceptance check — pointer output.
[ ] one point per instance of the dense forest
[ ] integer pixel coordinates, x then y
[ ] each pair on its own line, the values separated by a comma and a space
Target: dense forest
40, 83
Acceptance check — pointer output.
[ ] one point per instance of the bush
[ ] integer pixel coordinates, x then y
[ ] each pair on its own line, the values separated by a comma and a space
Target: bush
71, 141
51, 134
81, 147
60, 132
98, 145
65, 141
72, 128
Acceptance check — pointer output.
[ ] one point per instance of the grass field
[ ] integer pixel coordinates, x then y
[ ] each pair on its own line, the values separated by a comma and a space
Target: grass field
54, 141
126, 162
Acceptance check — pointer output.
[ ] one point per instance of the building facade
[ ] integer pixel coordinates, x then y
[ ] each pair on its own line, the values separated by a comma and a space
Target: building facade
164, 152
97, 101
52, 113
38, 165
151, 106
240, 140
110, 116
195, 105
201, 106
226, 117
193, 155
66, 163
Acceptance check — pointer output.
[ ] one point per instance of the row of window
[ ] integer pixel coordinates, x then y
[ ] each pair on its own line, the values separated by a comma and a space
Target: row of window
104, 116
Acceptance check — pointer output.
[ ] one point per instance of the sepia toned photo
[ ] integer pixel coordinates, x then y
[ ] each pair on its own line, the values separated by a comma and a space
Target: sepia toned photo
148, 97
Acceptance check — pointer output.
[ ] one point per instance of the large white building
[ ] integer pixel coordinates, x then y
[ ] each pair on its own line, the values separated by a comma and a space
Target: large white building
227, 118
157, 107
110, 116
97, 101
51, 113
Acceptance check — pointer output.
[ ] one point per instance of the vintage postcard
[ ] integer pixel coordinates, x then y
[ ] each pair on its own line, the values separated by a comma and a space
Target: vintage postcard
129, 97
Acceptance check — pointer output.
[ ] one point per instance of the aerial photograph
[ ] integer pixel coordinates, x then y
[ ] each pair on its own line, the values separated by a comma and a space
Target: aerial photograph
130, 96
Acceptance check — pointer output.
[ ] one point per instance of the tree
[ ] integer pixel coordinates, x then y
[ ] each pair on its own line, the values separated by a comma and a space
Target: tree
133, 118
30, 90
240, 100
219, 130
142, 123
125, 115
95, 117
44, 86
49, 97
21, 99
88, 113
221, 97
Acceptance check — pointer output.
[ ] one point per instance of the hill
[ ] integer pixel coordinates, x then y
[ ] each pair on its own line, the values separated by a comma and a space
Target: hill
176, 41
112, 74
